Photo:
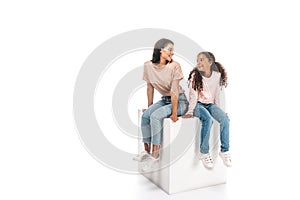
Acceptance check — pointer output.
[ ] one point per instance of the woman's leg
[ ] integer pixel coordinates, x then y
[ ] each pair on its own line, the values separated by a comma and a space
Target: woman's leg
221, 117
145, 124
156, 122
155, 150
202, 113
157, 117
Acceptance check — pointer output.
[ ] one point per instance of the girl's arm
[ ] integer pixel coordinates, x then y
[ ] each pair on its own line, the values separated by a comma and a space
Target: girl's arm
217, 95
193, 99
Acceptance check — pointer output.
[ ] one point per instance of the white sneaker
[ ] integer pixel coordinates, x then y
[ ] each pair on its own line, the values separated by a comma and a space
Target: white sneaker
143, 156
207, 160
151, 164
226, 158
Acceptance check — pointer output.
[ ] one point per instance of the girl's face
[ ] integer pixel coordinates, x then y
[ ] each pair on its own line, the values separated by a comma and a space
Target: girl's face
203, 62
167, 52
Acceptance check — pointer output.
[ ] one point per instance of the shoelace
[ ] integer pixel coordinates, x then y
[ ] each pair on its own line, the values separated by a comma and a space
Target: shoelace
142, 157
227, 157
144, 154
208, 159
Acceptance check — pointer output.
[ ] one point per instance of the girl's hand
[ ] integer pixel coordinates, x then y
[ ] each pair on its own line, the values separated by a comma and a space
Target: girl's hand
187, 116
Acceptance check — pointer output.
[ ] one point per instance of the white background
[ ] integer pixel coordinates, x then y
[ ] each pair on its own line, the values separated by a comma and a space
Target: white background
44, 44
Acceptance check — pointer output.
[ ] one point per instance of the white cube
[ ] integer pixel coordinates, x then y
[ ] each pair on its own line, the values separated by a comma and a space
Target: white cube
179, 156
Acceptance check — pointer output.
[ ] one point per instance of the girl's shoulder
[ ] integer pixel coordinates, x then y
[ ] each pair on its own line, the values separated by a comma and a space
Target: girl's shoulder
215, 73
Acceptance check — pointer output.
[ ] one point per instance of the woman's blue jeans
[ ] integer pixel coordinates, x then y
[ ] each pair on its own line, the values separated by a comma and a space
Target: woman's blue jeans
152, 118
206, 113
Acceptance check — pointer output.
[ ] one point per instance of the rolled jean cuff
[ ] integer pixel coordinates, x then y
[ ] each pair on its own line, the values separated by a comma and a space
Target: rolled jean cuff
146, 140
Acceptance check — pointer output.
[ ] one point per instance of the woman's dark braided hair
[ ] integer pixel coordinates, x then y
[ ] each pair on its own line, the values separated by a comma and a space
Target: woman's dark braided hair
216, 66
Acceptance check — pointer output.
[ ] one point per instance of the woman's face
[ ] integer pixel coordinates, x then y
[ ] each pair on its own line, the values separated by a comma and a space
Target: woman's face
203, 62
167, 52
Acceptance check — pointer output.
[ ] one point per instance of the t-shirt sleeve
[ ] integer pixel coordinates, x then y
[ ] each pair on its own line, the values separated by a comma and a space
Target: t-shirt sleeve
217, 95
217, 91
145, 74
177, 75
193, 98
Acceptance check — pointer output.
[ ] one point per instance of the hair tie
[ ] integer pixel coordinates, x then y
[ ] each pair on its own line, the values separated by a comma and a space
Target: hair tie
214, 67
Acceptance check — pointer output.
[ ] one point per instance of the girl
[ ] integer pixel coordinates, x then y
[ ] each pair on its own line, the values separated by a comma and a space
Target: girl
205, 82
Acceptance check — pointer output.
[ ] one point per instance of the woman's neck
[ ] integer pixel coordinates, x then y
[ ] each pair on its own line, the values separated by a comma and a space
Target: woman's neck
163, 61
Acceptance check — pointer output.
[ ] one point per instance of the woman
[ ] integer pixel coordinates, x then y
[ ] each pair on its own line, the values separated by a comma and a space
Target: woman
163, 74
205, 82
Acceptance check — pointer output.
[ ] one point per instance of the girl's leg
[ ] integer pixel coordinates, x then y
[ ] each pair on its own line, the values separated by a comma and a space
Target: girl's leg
221, 117
202, 113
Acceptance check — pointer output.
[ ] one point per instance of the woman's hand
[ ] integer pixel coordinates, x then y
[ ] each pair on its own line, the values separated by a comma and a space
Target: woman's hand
174, 118
187, 116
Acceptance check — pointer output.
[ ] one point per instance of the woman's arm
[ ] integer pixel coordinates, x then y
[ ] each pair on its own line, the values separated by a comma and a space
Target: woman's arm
174, 99
150, 94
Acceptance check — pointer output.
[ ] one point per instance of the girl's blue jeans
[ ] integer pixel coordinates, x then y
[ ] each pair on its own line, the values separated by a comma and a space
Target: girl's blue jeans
206, 113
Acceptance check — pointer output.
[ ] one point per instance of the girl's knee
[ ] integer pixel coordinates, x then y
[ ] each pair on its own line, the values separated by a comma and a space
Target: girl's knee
207, 120
225, 120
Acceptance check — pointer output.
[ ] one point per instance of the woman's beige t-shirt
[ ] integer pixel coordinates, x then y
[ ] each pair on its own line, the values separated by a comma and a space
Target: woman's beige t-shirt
161, 78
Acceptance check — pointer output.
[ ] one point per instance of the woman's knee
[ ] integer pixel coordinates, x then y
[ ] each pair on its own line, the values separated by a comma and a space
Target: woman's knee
159, 115
145, 118
155, 117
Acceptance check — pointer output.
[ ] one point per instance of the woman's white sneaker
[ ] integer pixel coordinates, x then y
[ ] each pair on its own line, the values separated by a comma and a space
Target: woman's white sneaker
226, 158
151, 164
207, 160
143, 156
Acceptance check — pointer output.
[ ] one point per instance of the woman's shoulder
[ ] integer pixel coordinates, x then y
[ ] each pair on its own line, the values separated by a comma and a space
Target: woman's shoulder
174, 65
149, 62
